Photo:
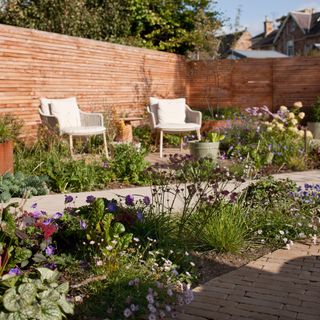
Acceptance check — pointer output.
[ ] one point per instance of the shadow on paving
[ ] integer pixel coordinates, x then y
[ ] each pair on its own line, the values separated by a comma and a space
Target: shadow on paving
278, 286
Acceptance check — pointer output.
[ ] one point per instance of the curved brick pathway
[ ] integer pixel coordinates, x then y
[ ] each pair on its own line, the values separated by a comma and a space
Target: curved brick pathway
282, 285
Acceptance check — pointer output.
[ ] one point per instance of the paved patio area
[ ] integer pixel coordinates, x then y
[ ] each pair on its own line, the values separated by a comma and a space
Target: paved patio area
154, 157
282, 285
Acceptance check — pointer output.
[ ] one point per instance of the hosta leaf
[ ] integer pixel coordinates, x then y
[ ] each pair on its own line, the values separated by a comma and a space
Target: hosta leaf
47, 274
28, 293
11, 300
63, 288
49, 311
66, 306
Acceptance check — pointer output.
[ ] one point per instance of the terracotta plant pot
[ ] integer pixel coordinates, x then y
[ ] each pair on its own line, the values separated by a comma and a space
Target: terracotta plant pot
6, 157
212, 125
204, 149
125, 134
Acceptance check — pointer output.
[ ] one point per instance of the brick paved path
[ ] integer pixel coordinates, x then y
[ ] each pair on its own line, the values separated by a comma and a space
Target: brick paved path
282, 285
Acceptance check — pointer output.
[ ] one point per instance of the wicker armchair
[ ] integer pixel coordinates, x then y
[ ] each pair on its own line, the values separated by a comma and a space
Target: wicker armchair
64, 117
191, 120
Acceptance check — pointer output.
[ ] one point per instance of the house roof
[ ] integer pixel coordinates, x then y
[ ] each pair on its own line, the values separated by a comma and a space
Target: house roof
302, 19
227, 41
309, 23
315, 24
258, 54
268, 40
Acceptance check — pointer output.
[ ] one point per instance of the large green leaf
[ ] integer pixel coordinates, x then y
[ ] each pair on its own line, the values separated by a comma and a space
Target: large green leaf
9, 280
47, 274
31, 311
63, 288
17, 316
38, 257
11, 300
28, 292
50, 294
3, 316
66, 306
49, 311
40, 286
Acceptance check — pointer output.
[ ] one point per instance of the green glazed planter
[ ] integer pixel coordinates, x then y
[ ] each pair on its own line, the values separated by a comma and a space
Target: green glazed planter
204, 149
314, 127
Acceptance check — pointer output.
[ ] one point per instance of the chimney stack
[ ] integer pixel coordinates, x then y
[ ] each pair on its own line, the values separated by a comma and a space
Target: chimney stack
268, 26
308, 10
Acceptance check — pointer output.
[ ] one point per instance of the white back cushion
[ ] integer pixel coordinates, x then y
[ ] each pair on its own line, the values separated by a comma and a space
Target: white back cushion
154, 107
67, 111
44, 103
172, 111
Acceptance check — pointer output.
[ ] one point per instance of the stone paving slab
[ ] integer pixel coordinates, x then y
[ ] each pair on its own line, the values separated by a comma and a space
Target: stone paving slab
284, 284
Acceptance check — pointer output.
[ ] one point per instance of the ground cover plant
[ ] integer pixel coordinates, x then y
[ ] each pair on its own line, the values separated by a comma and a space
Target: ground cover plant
19, 185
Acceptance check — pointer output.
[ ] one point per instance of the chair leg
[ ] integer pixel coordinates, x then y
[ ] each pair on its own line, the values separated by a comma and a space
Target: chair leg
157, 138
161, 143
181, 142
198, 134
71, 145
105, 145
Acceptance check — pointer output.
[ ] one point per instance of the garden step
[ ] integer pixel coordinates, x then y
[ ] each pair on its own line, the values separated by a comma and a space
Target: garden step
284, 284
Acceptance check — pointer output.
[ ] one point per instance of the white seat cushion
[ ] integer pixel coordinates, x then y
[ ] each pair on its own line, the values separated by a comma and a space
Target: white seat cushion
178, 127
83, 131
67, 112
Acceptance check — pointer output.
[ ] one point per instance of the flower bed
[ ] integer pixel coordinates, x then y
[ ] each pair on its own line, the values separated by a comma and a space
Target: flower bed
134, 256
267, 139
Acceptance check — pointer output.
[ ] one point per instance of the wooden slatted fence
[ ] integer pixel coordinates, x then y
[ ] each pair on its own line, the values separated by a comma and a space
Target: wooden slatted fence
105, 76
101, 75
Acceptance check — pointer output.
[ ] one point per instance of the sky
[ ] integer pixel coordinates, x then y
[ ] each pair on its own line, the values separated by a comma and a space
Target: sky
253, 12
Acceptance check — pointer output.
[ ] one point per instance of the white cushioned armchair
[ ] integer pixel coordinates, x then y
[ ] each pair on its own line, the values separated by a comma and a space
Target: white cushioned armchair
65, 117
173, 116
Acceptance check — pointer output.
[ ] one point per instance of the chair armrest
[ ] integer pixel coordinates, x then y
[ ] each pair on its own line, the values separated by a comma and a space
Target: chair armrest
50, 121
193, 116
89, 119
152, 118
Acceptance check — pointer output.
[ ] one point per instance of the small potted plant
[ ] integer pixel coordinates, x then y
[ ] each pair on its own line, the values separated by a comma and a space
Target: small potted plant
9, 131
207, 147
314, 124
